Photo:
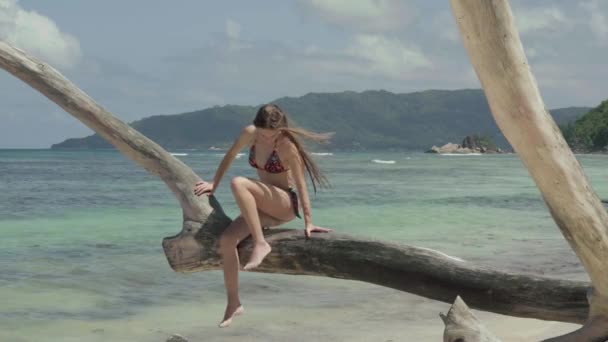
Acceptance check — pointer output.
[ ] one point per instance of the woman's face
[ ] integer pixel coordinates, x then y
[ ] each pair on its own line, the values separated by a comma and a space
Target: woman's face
267, 134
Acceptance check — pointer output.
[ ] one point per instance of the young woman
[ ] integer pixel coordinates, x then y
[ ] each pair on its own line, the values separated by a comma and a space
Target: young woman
281, 161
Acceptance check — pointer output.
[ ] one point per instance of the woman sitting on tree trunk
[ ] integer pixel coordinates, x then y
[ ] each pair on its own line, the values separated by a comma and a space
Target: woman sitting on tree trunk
280, 160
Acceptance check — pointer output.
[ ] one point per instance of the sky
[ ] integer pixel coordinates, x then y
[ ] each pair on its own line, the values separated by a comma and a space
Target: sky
139, 58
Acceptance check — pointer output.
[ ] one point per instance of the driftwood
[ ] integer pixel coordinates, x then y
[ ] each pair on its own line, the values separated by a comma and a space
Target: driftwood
462, 326
496, 52
417, 270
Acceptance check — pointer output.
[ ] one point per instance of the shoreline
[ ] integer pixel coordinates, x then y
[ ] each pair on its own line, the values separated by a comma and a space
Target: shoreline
332, 151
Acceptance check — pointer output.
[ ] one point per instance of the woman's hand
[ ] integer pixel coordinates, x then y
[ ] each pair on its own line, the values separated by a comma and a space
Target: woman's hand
204, 187
310, 228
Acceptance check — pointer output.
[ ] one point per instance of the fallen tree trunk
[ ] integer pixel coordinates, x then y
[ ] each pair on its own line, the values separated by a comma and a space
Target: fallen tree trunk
496, 52
420, 271
417, 270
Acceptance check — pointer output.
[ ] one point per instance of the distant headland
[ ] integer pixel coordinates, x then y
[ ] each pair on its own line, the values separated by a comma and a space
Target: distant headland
369, 120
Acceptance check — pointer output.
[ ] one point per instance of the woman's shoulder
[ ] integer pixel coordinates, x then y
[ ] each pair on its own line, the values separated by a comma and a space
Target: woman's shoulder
286, 146
248, 133
249, 129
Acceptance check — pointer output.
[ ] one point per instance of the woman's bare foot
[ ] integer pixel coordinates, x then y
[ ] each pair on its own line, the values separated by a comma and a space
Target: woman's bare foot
231, 312
260, 251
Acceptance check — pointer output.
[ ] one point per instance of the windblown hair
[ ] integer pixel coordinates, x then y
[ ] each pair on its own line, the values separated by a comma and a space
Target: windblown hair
272, 116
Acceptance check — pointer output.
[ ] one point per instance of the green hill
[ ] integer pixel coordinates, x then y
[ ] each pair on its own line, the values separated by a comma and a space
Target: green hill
365, 120
590, 132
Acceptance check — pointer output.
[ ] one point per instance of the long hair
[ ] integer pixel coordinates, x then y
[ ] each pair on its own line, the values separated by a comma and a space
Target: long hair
272, 116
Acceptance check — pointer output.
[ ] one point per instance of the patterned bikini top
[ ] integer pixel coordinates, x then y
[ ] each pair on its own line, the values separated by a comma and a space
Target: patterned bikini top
273, 164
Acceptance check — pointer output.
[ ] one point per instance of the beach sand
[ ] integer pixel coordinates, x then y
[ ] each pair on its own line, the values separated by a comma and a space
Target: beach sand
416, 319
282, 308
412, 319
344, 311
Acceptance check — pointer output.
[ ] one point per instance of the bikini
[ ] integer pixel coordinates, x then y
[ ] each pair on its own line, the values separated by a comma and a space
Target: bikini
274, 165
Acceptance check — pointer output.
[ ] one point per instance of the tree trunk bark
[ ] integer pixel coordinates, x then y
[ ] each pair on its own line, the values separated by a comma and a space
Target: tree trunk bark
492, 42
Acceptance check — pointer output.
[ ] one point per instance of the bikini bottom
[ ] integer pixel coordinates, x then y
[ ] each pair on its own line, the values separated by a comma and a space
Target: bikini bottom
294, 200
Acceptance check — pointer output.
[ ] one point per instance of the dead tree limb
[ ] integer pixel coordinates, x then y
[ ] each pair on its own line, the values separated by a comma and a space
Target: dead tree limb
496, 52
416, 270
462, 326
149, 155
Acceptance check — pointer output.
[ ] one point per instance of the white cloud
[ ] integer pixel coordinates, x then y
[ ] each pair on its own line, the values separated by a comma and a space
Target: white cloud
531, 52
363, 15
233, 29
386, 57
265, 70
534, 19
311, 50
193, 96
38, 35
598, 23
233, 33
446, 26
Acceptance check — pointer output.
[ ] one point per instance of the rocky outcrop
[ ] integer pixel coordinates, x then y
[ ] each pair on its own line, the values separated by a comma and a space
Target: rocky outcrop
470, 144
449, 148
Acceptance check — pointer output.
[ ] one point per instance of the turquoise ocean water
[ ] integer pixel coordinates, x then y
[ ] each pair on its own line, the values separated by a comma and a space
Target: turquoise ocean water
81, 259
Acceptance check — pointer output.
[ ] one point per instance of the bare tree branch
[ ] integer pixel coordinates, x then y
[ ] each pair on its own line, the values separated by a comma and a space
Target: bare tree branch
496, 52
178, 176
462, 326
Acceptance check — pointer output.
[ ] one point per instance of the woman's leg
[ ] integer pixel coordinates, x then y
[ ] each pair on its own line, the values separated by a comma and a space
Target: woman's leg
251, 195
236, 232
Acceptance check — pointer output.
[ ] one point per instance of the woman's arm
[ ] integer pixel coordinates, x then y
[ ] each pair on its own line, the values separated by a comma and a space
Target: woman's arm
296, 165
242, 141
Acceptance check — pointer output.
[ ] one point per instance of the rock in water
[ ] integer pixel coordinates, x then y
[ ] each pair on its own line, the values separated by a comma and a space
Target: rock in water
470, 142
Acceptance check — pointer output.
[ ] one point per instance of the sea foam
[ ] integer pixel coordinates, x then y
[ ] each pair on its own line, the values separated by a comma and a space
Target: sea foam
379, 161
